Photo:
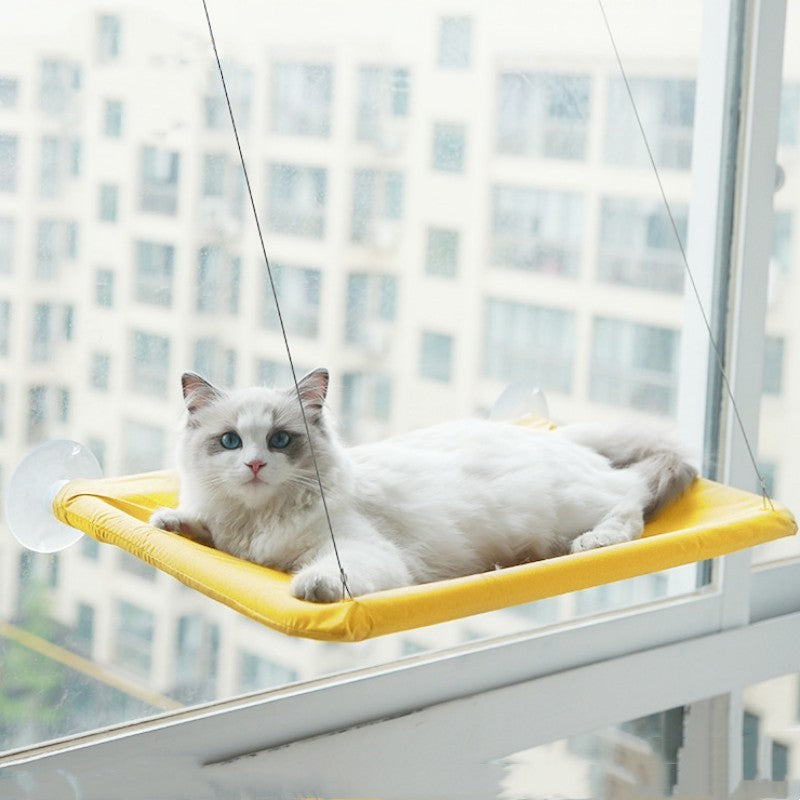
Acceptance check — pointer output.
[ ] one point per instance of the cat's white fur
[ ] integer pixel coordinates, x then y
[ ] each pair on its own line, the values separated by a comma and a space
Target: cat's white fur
450, 500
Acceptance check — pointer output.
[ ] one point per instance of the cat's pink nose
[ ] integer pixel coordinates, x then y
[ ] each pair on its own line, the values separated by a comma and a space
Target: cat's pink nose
255, 466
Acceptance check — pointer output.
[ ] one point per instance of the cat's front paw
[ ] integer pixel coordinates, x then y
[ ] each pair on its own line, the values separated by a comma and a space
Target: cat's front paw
317, 585
167, 519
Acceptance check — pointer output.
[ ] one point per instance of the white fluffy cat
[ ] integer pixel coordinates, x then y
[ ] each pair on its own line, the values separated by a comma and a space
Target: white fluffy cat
454, 499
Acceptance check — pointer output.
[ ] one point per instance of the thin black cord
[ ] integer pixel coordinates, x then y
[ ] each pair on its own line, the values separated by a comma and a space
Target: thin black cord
342, 573
695, 290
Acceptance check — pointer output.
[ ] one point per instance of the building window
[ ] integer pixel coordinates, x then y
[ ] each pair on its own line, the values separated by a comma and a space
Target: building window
543, 114
773, 365
239, 81
90, 548
196, 658
780, 761
301, 99
750, 746
509, 329
441, 254
296, 199
60, 81
299, 295
8, 237
366, 398
8, 163
83, 633
214, 166
2, 409
5, 327
143, 447
99, 376
637, 245
455, 42
257, 673
377, 207
129, 563
634, 365
449, 146
371, 307
277, 374
782, 241
42, 336
159, 187
149, 364
436, 356
383, 105
9, 91
109, 28
218, 281
666, 107
133, 639
112, 119
108, 200
537, 230
215, 362
51, 167
104, 288
154, 272
789, 119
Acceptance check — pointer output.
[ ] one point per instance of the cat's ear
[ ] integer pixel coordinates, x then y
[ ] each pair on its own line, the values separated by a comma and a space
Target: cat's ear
313, 389
198, 392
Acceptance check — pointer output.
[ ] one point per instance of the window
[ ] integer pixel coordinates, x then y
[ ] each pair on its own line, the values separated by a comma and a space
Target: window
239, 80
104, 288
296, 202
8, 163
298, 291
98, 448
214, 165
750, 743
214, 362
83, 633
436, 355
371, 304
108, 201
143, 447
9, 91
159, 181
509, 329
154, 272
301, 99
277, 374
455, 42
780, 761
135, 566
2, 409
37, 414
112, 119
383, 105
43, 335
366, 398
773, 365
666, 106
441, 255
51, 167
544, 115
789, 120
449, 145
537, 230
8, 235
637, 245
196, 658
109, 29
377, 207
90, 548
149, 363
133, 638
100, 371
218, 281
56, 241
781, 258
634, 365
257, 673
59, 83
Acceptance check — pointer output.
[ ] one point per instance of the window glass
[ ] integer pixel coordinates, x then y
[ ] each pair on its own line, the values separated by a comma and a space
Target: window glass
452, 200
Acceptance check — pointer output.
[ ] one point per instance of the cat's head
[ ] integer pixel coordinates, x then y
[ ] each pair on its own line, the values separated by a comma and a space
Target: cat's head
251, 445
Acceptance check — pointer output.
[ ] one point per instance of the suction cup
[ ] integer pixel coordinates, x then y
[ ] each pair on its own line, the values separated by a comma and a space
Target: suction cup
33, 486
519, 400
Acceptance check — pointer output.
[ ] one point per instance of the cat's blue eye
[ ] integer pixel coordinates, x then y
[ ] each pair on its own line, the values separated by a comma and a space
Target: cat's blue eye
230, 440
279, 440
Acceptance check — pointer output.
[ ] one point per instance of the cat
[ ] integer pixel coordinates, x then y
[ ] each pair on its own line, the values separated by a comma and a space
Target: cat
454, 499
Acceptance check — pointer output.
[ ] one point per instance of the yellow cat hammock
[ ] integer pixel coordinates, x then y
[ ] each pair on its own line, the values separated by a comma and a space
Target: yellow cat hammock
708, 520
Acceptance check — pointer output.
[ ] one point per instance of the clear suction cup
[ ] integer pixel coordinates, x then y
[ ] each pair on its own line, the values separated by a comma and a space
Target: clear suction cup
518, 401
33, 486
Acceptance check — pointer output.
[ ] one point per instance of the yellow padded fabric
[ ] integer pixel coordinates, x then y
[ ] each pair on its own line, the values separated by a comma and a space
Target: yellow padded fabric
708, 520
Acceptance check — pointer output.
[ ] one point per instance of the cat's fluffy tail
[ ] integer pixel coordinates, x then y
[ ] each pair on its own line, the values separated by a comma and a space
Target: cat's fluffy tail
662, 464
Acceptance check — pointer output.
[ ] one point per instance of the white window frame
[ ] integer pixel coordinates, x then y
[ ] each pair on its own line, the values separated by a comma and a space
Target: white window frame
488, 699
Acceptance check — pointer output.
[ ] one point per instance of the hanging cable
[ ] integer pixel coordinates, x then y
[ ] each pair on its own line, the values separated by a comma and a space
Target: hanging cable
342, 573
719, 359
